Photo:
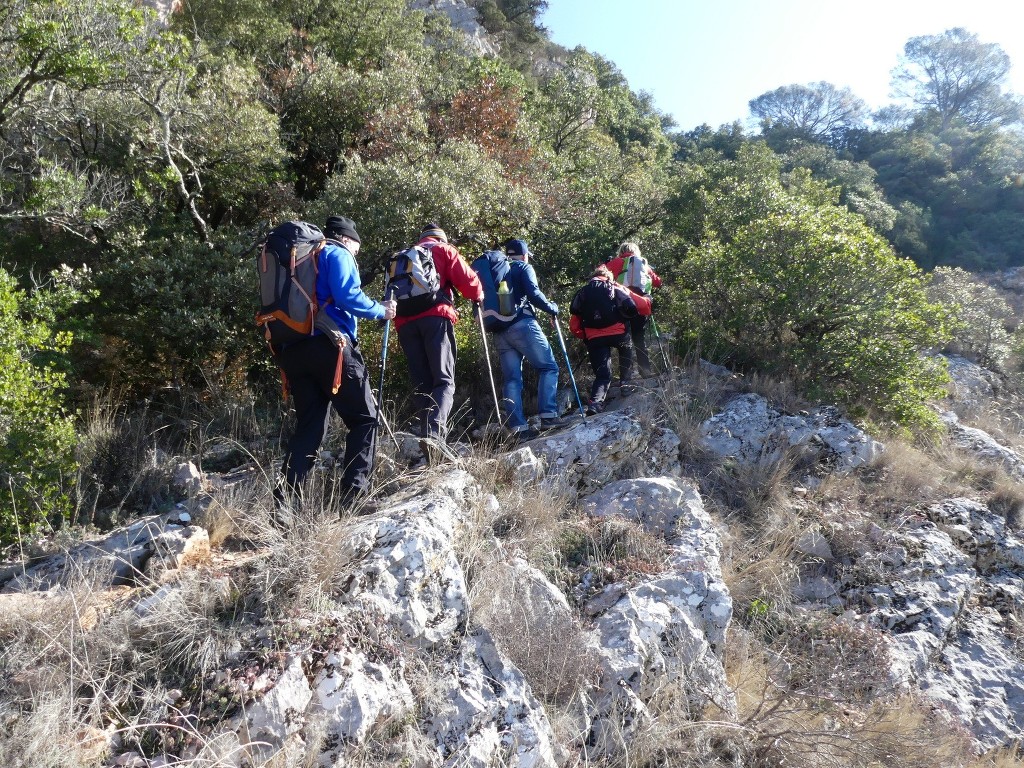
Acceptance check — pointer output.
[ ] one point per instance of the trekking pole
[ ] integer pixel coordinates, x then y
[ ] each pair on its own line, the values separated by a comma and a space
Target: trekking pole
661, 346
568, 365
379, 395
487, 358
384, 350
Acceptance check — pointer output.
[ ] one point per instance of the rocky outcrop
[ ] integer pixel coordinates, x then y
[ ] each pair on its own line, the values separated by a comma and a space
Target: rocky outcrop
668, 630
463, 17
146, 549
982, 446
406, 638
948, 590
971, 385
749, 431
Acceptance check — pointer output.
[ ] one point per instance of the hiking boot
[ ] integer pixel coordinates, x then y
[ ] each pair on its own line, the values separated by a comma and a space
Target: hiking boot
282, 516
595, 407
354, 502
553, 422
525, 435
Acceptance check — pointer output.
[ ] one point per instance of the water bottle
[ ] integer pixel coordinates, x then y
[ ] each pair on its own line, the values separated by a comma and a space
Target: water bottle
504, 299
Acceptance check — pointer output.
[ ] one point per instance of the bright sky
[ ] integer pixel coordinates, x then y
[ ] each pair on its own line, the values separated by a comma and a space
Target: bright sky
703, 60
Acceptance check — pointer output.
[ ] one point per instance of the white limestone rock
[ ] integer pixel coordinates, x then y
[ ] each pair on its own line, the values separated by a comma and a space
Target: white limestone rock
525, 467
950, 603
116, 559
592, 453
488, 710
404, 567
751, 432
464, 17
356, 695
266, 723
186, 479
176, 548
972, 385
674, 510
982, 445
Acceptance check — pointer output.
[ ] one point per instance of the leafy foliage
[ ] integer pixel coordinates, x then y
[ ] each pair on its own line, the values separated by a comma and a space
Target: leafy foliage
37, 437
786, 281
980, 315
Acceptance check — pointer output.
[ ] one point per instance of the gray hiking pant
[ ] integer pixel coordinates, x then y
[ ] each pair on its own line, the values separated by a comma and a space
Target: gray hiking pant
429, 346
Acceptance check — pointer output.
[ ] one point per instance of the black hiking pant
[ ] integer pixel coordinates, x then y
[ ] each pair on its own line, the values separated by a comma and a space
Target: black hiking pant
637, 331
599, 351
309, 366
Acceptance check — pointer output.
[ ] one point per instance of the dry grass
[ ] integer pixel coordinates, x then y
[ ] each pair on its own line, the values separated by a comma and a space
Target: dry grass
117, 474
544, 640
828, 727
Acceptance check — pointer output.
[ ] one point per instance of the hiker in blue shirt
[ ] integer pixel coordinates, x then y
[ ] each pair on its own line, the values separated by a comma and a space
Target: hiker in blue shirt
324, 372
524, 339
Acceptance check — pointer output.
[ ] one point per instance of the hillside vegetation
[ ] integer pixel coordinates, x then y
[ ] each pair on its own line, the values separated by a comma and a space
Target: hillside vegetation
827, 258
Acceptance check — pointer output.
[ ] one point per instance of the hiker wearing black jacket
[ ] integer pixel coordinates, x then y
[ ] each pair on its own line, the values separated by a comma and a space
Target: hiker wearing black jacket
600, 311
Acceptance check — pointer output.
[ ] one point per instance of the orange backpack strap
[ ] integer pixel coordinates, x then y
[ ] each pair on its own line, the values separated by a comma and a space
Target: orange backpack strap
336, 385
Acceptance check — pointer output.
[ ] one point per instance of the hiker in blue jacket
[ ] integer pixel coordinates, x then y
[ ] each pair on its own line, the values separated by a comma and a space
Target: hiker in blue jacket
324, 372
524, 339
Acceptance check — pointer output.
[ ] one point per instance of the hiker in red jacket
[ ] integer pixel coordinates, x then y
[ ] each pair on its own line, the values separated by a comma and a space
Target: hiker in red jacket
630, 268
428, 338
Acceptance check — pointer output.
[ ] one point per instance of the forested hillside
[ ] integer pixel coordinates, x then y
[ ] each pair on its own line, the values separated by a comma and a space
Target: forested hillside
142, 161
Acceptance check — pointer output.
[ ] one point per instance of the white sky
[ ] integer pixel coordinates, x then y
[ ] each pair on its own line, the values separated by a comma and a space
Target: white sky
703, 60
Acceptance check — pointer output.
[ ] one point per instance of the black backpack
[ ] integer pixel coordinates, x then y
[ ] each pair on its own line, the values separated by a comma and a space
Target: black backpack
601, 303
287, 265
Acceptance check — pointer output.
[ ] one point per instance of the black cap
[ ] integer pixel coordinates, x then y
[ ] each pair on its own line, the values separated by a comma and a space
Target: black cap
340, 226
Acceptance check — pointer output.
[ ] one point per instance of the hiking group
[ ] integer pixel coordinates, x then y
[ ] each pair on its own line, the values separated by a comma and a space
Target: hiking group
312, 300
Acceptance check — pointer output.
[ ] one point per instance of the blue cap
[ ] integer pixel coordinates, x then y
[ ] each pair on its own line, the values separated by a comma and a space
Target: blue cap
517, 248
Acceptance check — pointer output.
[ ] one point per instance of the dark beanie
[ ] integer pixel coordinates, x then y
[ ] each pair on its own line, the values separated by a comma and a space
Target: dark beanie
340, 226
432, 230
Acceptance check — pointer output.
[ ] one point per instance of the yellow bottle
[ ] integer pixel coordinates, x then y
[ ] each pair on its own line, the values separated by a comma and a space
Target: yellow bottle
504, 298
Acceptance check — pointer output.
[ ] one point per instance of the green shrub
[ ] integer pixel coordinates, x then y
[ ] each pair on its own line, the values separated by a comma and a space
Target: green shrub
37, 437
787, 282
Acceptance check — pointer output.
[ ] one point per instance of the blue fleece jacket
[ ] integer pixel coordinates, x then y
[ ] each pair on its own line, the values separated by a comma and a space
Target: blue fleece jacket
340, 293
522, 282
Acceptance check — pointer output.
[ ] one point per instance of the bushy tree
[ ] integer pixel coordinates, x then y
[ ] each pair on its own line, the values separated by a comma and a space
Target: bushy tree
37, 436
980, 315
790, 282
818, 111
958, 77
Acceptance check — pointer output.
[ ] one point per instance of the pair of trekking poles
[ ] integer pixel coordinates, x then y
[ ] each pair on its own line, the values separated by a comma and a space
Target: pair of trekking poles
490, 370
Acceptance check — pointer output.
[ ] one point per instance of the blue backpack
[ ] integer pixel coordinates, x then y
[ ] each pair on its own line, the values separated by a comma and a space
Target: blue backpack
501, 304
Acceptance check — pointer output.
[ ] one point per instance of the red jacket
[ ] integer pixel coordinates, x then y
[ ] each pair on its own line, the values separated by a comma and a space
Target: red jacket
453, 272
616, 264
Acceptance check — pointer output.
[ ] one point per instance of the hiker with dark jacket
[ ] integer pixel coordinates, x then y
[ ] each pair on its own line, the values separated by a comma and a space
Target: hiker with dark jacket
637, 325
428, 338
600, 311
524, 339
310, 367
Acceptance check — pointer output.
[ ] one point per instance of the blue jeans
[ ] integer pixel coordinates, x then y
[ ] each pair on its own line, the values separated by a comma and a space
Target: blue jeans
526, 340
